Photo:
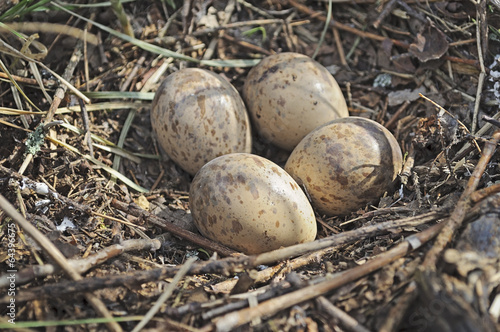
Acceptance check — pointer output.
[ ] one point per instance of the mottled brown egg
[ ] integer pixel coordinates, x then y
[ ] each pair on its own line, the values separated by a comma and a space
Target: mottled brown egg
197, 116
346, 164
288, 95
250, 204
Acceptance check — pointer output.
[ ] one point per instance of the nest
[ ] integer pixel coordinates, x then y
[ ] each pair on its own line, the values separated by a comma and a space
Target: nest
95, 223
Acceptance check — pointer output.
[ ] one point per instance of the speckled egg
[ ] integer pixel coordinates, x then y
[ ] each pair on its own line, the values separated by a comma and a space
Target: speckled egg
197, 116
346, 164
250, 204
288, 95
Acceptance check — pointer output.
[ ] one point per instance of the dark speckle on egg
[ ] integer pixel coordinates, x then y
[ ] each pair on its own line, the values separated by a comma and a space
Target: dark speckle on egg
253, 189
236, 226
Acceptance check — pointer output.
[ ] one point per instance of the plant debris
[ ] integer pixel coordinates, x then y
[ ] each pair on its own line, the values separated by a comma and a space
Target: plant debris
96, 232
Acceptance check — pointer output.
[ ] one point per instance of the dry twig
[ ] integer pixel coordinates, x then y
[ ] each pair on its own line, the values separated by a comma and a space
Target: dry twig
174, 229
83, 265
346, 321
233, 320
226, 266
458, 215
58, 257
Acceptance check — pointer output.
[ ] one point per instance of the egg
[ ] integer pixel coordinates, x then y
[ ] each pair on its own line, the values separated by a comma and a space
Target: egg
346, 164
198, 116
250, 204
288, 95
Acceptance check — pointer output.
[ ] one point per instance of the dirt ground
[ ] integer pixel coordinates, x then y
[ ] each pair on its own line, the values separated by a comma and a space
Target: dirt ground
425, 257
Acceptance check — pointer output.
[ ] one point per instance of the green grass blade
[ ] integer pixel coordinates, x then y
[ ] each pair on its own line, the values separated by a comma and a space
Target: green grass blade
163, 51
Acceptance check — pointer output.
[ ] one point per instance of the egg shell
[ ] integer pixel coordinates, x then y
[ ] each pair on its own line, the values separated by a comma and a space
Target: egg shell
250, 204
346, 164
288, 95
198, 116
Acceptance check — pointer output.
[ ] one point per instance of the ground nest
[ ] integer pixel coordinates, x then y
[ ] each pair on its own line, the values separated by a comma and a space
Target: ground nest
95, 224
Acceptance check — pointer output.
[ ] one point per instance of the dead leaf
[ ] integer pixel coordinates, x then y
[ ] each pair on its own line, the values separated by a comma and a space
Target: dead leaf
403, 63
430, 44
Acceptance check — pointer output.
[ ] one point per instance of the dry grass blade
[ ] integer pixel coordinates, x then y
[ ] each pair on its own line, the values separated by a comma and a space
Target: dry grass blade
120, 95
165, 52
325, 28
14, 52
13, 81
108, 169
56, 255
27, 41
75, 109
53, 28
109, 146
38, 78
121, 139
120, 13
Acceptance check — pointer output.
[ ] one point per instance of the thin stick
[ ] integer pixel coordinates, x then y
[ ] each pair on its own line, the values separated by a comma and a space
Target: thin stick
31, 81
491, 120
86, 127
233, 320
226, 266
288, 265
389, 124
340, 48
164, 297
345, 27
389, 6
82, 265
57, 256
245, 44
484, 129
172, 228
485, 192
26, 162
458, 215
347, 321
339, 239
482, 74
68, 73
